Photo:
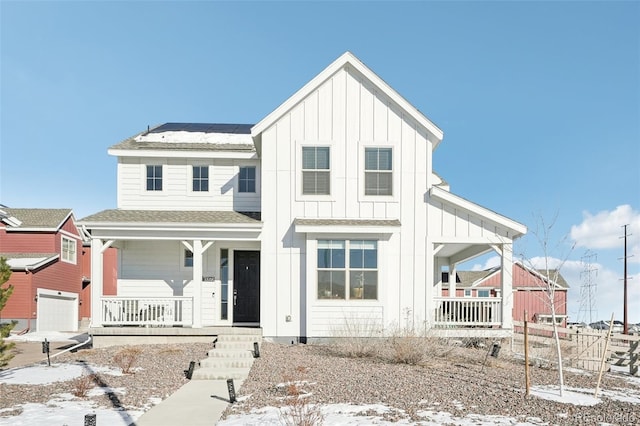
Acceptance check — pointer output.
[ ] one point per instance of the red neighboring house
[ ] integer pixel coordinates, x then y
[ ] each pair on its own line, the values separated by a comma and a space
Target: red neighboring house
528, 291
43, 247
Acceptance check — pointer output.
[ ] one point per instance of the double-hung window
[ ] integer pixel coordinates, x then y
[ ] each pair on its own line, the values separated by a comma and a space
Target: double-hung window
353, 276
154, 177
316, 171
247, 179
200, 178
68, 250
378, 171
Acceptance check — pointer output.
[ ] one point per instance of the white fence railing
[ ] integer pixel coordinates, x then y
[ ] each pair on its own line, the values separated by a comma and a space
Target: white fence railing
468, 311
156, 311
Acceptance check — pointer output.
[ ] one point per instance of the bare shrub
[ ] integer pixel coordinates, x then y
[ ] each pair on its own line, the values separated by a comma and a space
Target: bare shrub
296, 409
83, 384
126, 358
356, 337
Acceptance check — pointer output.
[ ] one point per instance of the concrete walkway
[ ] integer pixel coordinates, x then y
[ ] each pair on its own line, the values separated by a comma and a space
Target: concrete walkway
197, 403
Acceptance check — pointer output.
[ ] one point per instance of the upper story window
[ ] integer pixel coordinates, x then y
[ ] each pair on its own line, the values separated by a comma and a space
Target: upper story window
68, 250
378, 171
154, 178
484, 293
316, 172
200, 178
247, 179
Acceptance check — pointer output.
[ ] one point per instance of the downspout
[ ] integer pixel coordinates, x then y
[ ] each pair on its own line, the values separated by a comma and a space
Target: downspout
71, 348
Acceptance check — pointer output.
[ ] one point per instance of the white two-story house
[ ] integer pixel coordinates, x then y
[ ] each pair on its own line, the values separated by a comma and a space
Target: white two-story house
325, 213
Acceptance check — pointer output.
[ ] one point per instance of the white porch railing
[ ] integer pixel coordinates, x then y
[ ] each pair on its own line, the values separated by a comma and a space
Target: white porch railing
468, 311
156, 311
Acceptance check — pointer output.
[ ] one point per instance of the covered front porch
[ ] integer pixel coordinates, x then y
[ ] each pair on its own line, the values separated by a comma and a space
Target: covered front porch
461, 231
172, 276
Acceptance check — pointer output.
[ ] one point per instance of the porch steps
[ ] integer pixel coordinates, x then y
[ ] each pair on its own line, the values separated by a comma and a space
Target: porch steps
231, 358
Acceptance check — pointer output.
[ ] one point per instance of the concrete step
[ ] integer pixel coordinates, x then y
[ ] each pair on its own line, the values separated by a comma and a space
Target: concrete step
220, 363
230, 353
237, 345
238, 338
220, 373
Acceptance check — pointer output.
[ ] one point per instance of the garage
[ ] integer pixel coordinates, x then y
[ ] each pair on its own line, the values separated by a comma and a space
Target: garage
57, 311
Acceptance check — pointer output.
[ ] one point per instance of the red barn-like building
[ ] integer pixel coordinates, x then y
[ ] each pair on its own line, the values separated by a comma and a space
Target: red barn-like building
529, 287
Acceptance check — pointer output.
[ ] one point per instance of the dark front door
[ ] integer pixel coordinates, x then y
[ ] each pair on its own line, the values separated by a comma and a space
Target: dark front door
246, 287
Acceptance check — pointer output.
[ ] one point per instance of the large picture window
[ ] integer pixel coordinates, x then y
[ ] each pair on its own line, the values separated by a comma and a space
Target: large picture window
200, 178
378, 171
68, 250
154, 178
316, 172
353, 277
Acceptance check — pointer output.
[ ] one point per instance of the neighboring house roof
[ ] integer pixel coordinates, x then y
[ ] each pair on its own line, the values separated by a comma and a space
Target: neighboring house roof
468, 279
183, 217
347, 59
29, 261
190, 137
38, 219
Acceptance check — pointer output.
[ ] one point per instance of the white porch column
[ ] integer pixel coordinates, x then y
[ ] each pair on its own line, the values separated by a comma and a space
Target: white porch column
452, 280
430, 283
197, 283
96, 282
506, 286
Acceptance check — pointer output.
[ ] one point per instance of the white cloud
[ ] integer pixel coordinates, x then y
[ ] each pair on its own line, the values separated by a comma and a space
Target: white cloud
604, 231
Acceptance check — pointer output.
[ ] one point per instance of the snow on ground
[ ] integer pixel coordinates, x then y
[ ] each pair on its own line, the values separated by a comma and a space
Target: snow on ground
40, 374
65, 409
51, 336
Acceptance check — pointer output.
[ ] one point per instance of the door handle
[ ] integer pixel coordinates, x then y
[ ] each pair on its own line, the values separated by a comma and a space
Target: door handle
235, 297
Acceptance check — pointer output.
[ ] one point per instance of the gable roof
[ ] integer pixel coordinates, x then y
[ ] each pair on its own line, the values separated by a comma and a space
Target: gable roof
468, 279
37, 219
347, 59
517, 229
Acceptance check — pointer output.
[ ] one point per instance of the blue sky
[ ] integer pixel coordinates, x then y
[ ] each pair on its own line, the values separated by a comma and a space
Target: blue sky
539, 101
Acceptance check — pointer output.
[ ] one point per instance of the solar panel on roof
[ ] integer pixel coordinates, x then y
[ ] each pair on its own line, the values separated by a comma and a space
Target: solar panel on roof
244, 129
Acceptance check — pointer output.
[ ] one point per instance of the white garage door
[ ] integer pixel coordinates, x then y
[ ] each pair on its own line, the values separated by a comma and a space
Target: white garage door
57, 311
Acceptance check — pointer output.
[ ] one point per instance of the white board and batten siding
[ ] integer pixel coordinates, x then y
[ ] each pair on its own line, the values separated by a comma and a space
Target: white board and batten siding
347, 113
177, 192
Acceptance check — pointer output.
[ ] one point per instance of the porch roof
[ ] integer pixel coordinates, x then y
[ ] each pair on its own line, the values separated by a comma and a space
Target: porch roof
28, 261
346, 225
175, 217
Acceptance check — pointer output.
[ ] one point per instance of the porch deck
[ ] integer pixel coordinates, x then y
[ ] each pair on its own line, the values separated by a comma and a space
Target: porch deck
113, 336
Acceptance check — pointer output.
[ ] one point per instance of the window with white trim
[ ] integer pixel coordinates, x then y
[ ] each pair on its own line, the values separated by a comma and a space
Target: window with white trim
378, 171
154, 177
484, 293
247, 179
69, 250
467, 292
352, 277
316, 171
200, 178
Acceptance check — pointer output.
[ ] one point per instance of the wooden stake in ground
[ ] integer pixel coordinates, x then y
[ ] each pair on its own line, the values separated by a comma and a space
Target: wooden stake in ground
526, 354
604, 356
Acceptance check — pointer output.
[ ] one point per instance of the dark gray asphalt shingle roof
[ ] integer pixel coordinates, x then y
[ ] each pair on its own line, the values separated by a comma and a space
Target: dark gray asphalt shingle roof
39, 218
236, 129
171, 216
